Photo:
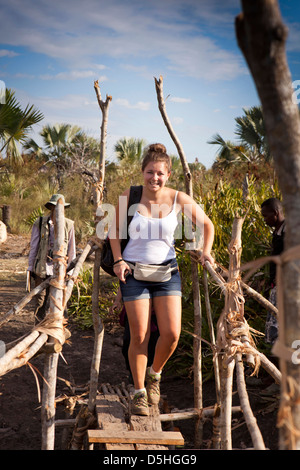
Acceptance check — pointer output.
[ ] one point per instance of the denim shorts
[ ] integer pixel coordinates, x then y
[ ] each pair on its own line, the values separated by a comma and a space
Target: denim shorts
135, 290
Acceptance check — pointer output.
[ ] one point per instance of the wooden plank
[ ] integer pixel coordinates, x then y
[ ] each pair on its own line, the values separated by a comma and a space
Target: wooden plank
110, 416
136, 437
147, 423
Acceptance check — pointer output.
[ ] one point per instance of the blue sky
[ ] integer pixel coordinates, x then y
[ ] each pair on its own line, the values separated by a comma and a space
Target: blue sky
51, 53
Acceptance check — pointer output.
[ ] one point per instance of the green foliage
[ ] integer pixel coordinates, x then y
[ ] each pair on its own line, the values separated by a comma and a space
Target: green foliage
15, 123
222, 204
80, 308
39, 212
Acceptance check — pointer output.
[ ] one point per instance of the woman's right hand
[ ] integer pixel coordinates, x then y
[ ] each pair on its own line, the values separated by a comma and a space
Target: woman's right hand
122, 270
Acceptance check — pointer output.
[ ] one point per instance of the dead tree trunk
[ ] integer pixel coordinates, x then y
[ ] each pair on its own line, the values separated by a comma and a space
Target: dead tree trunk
198, 399
86, 414
261, 36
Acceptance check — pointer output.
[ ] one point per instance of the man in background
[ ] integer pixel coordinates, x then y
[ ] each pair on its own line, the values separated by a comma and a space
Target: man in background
272, 212
40, 260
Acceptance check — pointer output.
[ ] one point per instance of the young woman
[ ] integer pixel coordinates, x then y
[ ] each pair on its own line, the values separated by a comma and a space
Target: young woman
151, 242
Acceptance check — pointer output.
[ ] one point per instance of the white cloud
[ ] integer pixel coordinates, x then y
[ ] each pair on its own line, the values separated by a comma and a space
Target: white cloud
7, 53
171, 31
141, 105
177, 120
177, 99
73, 75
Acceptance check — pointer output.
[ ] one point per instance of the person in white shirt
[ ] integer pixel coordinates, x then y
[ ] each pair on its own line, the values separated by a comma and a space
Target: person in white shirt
151, 242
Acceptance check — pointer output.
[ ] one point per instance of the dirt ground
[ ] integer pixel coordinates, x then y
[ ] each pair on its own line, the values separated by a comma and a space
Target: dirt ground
20, 425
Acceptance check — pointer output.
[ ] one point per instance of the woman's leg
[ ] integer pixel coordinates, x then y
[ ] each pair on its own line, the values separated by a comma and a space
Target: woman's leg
168, 314
139, 317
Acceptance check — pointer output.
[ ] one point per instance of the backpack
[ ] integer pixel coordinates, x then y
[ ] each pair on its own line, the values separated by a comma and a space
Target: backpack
107, 258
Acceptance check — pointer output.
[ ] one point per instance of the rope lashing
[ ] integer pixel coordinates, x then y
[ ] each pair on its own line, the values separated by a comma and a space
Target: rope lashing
54, 326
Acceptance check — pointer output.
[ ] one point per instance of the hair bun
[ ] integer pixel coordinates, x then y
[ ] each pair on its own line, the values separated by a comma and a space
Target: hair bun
158, 148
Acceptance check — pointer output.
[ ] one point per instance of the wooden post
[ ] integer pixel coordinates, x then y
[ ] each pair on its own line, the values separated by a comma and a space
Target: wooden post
232, 314
6, 216
86, 413
261, 35
98, 325
198, 399
212, 335
56, 313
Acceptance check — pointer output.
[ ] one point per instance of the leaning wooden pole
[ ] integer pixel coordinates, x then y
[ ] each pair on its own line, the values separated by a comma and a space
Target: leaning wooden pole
198, 398
98, 197
257, 439
54, 318
261, 36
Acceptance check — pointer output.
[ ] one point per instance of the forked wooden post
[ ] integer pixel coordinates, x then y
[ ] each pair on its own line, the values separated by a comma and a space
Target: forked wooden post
98, 197
86, 414
198, 398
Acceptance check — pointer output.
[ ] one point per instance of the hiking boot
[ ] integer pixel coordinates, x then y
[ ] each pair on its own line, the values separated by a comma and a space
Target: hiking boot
140, 404
152, 388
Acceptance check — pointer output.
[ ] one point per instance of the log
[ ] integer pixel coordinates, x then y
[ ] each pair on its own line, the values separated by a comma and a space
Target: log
22, 352
188, 414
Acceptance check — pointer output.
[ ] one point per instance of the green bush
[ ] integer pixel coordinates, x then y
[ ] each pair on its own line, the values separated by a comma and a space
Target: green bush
80, 304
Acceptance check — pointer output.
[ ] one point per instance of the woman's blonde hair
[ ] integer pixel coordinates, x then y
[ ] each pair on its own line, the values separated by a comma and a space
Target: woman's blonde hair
156, 153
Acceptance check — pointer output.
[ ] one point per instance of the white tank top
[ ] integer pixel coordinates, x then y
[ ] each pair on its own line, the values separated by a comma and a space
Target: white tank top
151, 239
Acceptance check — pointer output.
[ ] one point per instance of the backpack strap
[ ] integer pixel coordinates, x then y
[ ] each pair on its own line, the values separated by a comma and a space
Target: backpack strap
135, 196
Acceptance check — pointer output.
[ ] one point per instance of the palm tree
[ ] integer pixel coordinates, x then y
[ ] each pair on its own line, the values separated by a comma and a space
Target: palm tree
251, 131
129, 150
229, 153
15, 124
57, 140
252, 147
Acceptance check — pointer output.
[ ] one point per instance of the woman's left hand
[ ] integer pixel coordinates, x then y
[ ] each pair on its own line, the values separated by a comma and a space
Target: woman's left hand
206, 257
122, 270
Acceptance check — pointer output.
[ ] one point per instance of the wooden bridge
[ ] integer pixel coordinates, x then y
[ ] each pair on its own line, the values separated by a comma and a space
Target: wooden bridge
118, 429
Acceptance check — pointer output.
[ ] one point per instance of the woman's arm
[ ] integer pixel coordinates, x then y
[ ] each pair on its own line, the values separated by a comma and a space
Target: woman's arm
196, 214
